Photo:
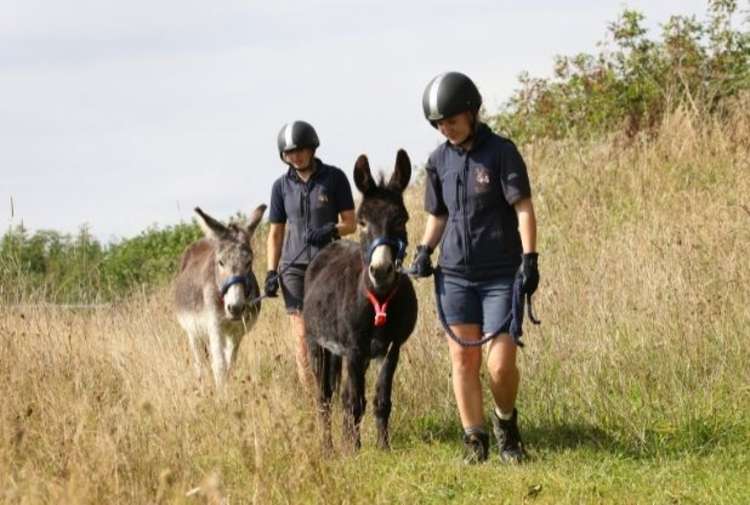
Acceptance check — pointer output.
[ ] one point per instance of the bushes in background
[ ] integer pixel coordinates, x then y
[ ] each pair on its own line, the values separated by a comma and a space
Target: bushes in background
60, 268
635, 80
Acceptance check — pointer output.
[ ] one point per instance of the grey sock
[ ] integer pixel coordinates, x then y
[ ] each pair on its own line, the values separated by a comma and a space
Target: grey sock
503, 415
475, 430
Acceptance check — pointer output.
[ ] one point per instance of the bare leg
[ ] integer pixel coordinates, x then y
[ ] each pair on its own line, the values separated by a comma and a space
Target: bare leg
303, 363
504, 379
466, 362
504, 374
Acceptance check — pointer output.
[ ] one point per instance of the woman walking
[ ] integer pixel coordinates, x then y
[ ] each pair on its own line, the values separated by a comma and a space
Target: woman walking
478, 199
311, 205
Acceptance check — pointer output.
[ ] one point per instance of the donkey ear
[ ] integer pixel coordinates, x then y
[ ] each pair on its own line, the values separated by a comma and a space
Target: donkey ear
362, 176
402, 172
255, 218
212, 228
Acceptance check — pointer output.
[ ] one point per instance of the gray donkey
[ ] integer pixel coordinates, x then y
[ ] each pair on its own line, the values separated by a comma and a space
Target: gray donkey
213, 291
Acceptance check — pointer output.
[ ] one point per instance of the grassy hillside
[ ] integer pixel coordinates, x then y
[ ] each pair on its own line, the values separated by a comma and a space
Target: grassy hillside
634, 389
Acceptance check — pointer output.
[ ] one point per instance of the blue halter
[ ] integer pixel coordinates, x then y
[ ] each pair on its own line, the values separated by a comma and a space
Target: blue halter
396, 244
236, 279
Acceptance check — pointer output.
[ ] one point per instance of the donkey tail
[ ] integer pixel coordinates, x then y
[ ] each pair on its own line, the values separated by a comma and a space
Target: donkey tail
326, 368
333, 375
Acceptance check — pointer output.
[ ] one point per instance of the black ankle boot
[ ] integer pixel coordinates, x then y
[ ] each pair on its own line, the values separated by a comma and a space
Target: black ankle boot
476, 447
509, 443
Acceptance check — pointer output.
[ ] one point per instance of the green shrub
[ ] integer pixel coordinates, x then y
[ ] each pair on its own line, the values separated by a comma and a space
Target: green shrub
148, 259
634, 80
58, 268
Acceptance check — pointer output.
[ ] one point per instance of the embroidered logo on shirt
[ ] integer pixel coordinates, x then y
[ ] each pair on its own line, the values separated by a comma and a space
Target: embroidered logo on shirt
323, 198
483, 176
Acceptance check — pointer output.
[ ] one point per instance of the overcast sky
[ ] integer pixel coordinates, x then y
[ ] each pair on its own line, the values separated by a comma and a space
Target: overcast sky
130, 113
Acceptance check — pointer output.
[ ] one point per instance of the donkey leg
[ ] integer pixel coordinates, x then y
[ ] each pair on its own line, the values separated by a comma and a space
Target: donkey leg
354, 397
319, 359
230, 351
383, 395
216, 351
195, 349
194, 331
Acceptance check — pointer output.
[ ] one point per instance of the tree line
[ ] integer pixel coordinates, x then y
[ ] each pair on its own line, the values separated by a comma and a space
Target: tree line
61, 268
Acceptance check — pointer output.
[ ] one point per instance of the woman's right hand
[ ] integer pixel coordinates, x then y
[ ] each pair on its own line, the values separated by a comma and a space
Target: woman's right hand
272, 284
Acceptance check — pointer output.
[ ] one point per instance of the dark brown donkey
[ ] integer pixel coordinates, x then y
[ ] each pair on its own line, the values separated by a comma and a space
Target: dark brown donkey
359, 306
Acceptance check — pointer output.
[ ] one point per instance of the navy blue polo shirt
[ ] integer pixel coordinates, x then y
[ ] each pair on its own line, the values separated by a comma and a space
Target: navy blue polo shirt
477, 189
308, 205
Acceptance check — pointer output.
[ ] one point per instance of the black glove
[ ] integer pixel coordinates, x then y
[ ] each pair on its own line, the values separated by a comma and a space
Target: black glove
322, 236
422, 266
529, 273
272, 284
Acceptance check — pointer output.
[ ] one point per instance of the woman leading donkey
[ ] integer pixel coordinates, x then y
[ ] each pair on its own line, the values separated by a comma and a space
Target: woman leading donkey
311, 205
478, 198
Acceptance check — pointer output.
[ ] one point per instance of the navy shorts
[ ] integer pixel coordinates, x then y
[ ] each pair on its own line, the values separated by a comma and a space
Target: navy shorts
293, 287
485, 302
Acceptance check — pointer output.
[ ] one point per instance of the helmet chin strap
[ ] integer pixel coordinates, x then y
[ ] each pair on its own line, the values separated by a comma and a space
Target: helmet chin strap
470, 137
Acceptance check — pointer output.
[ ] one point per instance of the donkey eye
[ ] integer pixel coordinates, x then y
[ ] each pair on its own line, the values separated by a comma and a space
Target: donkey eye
221, 263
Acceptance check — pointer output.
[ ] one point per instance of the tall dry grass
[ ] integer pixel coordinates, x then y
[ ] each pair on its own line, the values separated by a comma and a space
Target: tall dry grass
642, 355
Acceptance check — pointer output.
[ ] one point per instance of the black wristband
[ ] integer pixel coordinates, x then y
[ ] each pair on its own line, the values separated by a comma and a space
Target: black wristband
424, 247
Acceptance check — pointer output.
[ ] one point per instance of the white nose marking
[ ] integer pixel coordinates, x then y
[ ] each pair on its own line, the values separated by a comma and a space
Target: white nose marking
235, 295
381, 258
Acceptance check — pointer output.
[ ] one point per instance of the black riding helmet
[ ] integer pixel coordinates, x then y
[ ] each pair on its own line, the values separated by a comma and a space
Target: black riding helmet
296, 135
449, 94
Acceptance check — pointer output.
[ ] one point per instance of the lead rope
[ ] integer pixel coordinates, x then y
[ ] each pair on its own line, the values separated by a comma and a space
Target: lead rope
280, 273
515, 317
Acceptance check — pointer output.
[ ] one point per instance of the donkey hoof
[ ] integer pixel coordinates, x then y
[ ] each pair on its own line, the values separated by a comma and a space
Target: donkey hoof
326, 447
384, 444
355, 444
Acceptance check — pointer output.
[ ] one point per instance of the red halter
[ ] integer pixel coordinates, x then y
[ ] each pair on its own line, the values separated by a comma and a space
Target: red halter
380, 308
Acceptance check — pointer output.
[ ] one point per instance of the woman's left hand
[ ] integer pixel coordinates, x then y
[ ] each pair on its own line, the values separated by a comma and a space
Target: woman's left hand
320, 237
529, 273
